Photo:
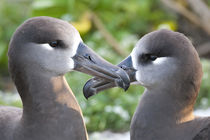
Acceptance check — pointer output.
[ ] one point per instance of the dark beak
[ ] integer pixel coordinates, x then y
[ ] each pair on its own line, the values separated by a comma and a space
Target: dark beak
87, 61
96, 84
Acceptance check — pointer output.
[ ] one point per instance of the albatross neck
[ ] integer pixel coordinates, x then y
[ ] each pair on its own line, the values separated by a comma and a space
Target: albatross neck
171, 106
43, 93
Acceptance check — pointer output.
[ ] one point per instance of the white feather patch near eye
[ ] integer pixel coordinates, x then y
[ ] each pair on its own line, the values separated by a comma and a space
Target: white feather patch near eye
71, 64
46, 46
160, 60
134, 58
77, 41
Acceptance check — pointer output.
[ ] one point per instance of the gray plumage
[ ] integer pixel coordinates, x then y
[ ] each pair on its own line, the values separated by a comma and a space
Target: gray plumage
165, 111
41, 51
168, 66
50, 110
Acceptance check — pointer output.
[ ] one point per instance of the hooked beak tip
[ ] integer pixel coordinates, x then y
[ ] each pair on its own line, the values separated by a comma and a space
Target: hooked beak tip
122, 84
88, 91
88, 94
86, 97
126, 87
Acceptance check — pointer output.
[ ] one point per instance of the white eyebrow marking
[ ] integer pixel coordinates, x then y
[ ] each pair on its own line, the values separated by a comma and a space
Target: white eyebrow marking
46, 46
160, 60
134, 59
71, 64
77, 41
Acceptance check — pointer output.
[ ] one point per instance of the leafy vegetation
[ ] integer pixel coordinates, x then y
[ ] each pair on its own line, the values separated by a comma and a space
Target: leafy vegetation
126, 21
203, 100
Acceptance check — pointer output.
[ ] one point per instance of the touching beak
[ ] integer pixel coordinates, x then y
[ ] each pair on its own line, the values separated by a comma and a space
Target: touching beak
127, 65
87, 61
96, 84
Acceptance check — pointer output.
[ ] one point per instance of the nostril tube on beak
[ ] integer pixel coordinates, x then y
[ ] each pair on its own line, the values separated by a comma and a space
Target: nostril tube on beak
123, 67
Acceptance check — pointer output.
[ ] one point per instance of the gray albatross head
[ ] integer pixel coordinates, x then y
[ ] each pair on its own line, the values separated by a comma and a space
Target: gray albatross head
52, 47
160, 60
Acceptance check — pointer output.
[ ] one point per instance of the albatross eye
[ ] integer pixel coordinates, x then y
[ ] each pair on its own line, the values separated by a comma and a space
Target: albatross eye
54, 44
152, 57
148, 57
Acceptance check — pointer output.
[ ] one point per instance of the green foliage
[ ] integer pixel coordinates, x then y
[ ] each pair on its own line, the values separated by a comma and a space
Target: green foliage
203, 100
10, 99
11, 15
110, 109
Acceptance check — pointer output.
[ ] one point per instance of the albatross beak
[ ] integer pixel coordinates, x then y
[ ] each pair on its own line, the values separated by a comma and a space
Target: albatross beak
87, 61
97, 84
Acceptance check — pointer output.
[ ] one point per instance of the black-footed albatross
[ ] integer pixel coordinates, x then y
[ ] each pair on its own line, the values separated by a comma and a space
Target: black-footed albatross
168, 66
41, 51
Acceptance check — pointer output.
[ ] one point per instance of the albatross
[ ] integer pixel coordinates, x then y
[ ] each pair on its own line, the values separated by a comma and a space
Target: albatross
168, 66
40, 52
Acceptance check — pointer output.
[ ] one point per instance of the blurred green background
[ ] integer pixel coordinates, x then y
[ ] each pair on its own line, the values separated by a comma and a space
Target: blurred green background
111, 28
